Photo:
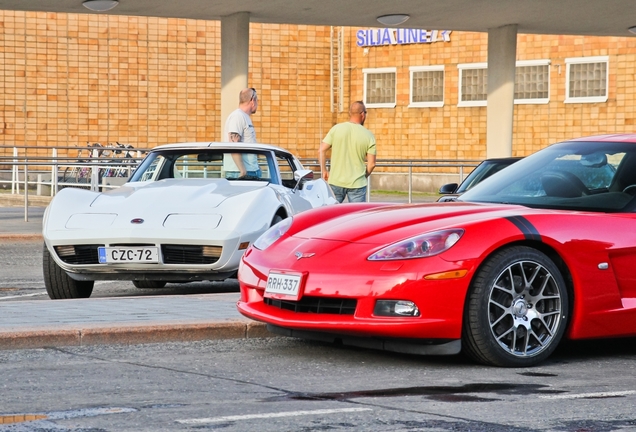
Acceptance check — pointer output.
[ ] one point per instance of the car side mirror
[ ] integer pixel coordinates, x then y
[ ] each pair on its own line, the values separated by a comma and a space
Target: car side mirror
301, 175
448, 188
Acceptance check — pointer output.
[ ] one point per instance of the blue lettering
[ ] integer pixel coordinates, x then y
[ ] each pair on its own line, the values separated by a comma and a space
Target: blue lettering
360, 37
424, 36
412, 36
378, 37
386, 37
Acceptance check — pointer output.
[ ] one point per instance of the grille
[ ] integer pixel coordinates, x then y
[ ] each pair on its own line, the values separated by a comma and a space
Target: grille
324, 305
84, 254
186, 254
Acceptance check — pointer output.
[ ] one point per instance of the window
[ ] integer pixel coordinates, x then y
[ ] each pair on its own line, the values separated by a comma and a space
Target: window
380, 87
532, 82
587, 79
427, 86
473, 84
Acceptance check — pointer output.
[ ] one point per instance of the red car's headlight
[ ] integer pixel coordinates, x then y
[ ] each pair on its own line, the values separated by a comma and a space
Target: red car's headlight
274, 233
421, 246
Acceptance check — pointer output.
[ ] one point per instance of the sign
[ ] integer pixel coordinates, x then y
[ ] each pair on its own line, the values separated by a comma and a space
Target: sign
388, 36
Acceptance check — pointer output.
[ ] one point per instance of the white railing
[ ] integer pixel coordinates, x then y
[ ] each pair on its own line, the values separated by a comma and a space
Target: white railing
48, 174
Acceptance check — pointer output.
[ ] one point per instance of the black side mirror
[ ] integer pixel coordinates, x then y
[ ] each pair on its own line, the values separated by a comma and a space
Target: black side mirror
448, 188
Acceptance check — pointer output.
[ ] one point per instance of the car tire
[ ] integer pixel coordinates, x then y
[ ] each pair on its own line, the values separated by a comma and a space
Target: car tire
516, 310
149, 284
60, 285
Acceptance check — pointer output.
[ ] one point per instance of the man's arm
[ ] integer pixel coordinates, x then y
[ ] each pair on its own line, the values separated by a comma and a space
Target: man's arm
237, 157
322, 157
370, 164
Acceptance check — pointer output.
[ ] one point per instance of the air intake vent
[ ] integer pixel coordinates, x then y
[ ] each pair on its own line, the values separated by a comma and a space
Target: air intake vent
323, 305
189, 254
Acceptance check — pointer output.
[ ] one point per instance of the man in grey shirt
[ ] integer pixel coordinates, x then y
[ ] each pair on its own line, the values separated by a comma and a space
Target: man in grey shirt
239, 128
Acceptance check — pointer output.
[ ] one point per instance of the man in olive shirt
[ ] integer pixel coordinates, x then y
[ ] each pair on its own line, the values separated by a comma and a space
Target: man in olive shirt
350, 143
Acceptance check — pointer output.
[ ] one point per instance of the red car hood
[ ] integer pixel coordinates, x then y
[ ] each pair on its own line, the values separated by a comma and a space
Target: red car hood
386, 224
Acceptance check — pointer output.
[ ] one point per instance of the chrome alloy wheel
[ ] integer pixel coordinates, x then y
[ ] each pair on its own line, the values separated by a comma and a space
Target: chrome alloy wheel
524, 308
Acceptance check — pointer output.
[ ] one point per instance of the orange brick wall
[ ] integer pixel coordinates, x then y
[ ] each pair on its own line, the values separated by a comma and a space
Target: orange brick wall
72, 79
453, 132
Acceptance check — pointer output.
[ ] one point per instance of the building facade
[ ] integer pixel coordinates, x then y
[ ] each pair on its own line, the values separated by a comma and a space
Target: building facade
72, 79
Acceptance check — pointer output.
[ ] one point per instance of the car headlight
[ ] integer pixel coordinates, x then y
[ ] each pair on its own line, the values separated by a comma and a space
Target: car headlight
274, 233
421, 246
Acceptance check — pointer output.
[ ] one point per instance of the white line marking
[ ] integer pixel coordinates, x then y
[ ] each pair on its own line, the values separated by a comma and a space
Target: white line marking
270, 415
589, 395
24, 295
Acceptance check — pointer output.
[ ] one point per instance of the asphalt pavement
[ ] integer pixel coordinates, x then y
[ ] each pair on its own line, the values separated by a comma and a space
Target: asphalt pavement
130, 320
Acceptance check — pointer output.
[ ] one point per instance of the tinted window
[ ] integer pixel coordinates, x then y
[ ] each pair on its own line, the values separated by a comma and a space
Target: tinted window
571, 175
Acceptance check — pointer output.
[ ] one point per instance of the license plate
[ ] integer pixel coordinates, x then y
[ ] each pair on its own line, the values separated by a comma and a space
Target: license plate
127, 254
283, 285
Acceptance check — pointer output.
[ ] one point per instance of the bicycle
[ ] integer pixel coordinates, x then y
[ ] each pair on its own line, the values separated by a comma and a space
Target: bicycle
81, 174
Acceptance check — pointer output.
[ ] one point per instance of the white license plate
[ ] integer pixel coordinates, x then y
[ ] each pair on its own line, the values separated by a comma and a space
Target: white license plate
285, 285
128, 254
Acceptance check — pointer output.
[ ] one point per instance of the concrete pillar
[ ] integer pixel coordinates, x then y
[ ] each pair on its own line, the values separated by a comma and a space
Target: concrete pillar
235, 42
502, 54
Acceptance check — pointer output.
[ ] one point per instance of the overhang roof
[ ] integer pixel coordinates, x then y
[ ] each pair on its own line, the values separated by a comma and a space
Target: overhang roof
582, 17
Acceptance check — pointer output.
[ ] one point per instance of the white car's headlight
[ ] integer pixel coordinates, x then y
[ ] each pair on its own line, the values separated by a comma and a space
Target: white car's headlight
274, 233
421, 246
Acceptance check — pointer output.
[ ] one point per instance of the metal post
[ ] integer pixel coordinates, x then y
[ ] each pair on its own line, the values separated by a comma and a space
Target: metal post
410, 182
54, 172
95, 171
15, 178
26, 190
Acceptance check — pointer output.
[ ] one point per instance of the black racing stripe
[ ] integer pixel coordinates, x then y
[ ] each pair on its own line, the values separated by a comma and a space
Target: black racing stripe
526, 228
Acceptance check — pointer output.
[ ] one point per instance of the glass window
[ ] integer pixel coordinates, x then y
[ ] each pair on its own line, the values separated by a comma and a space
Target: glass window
587, 79
427, 86
473, 84
572, 175
380, 87
532, 82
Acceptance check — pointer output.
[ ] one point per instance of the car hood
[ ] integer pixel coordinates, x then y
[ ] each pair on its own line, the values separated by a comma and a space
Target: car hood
386, 224
178, 194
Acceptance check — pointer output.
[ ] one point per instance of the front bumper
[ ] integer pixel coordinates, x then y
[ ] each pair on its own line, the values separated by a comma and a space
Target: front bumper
440, 302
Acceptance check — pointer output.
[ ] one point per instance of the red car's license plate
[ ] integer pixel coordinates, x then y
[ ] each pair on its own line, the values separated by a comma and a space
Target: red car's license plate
283, 285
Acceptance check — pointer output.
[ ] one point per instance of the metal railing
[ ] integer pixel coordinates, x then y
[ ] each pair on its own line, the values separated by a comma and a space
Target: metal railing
30, 171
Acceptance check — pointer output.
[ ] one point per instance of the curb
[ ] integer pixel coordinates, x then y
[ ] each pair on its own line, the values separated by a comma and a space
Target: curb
16, 200
130, 334
18, 237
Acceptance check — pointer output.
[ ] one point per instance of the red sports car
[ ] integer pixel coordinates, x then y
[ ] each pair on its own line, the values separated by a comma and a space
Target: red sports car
542, 250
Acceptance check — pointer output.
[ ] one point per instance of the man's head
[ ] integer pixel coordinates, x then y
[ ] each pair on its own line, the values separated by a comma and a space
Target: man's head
248, 100
358, 112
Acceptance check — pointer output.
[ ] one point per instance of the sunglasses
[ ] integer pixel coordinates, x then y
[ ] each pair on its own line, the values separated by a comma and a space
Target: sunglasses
253, 94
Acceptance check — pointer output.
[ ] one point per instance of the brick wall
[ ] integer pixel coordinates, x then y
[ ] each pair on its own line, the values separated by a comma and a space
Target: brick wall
77, 78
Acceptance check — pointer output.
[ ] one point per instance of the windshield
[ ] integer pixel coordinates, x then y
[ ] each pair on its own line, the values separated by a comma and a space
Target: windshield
575, 175
483, 171
206, 163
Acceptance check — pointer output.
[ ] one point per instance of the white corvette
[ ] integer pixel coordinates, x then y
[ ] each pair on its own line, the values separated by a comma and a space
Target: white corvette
180, 217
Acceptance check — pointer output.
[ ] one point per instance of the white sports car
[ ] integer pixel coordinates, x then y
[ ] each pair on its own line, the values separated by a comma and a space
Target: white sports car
180, 217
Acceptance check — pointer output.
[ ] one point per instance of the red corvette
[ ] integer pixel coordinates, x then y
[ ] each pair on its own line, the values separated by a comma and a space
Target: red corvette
542, 250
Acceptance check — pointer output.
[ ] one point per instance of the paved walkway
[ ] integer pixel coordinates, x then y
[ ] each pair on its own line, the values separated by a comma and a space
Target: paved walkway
45, 323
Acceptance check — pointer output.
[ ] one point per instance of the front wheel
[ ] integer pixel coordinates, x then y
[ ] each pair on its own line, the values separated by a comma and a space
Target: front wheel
516, 310
60, 285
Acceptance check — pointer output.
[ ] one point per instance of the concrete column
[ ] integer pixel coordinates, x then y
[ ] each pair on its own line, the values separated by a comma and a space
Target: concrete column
235, 41
502, 54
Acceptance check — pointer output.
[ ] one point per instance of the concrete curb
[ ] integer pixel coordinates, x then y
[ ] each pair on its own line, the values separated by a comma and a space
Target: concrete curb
43, 337
15, 200
18, 237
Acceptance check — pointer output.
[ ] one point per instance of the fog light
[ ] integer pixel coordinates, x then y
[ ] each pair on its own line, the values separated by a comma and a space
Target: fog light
65, 250
211, 251
396, 308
